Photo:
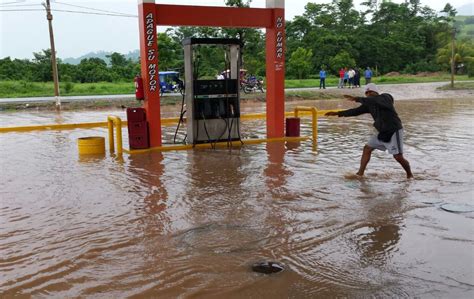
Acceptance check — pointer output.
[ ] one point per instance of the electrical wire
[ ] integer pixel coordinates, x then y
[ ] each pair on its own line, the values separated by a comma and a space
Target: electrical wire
16, 2
95, 13
227, 65
94, 9
21, 9
181, 118
72, 11
213, 145
21, 5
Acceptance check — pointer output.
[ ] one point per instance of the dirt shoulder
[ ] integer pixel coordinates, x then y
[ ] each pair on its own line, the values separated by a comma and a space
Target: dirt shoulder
412, 91
409, 91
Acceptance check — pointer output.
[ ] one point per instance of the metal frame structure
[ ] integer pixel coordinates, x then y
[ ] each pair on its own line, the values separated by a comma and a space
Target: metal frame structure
272, 18
220, 98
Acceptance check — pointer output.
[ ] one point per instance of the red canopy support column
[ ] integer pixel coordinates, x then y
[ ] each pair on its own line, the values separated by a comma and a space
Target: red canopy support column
275, 69
149, 68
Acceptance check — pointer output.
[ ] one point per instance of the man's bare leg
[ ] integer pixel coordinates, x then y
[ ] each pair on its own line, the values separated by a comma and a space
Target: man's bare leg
405, 164
364, 160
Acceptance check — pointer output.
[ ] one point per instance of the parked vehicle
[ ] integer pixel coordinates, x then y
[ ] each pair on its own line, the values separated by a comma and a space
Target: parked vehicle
170, 82
251, 84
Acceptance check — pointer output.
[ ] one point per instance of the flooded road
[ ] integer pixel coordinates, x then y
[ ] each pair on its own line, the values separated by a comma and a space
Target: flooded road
192, 223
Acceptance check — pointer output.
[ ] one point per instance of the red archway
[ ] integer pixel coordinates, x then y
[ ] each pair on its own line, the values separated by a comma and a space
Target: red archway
271, 18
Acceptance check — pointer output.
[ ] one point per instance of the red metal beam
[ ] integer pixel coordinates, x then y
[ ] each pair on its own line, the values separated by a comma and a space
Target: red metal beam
212, 16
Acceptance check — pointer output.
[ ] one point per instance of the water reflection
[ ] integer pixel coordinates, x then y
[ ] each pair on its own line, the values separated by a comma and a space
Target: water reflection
276, 173
147, 171
378, 239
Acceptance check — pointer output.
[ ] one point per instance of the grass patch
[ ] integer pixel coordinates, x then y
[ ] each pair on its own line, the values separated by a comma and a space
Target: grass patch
19, 89
310, 95
70, 106
458, 86
421, 78
306, 83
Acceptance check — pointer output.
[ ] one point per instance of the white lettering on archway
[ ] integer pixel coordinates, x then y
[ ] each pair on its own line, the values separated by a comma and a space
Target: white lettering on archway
151, 52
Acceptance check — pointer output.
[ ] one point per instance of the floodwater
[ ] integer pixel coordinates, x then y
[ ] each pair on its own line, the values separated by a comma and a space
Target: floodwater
192, 223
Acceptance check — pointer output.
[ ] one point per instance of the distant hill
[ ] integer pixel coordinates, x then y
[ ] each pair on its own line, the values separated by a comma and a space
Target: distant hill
466, 10
134, 55
466, 26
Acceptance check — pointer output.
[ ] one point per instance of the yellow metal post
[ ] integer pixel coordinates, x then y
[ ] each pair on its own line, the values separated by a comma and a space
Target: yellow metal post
110, 126
314, 124
115, 121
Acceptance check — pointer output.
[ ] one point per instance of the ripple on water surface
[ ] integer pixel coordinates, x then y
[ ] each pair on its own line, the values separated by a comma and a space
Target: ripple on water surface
192, 223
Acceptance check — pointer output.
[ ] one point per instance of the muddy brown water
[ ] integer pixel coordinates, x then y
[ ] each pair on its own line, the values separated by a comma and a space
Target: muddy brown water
192, 223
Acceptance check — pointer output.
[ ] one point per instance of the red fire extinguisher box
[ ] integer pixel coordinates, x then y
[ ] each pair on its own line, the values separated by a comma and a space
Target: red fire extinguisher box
136, 114
139, 141
293, 127
139, 92
138, 136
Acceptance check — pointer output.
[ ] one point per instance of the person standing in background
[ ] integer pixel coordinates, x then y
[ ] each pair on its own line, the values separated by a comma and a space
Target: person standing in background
341, 78
351, 74
357, 77
368, 75
346, 76
322, 78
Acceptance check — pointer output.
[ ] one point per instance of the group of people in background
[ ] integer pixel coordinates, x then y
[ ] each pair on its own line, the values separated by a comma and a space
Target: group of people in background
347, 77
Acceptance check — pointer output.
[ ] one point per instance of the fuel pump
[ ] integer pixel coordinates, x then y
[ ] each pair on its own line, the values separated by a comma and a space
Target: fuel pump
212, 106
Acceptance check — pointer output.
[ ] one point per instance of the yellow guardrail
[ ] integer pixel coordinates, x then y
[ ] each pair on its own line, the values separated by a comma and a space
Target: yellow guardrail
56, 127
115, 121
164, 122
237, 143
314, 123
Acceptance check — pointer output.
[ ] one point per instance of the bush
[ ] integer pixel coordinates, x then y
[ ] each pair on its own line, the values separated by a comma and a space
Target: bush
68, 85
470, 68
422, 66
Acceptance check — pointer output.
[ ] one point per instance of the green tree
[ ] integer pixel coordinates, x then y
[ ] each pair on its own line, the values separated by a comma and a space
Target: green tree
170, 53
93, 70
117, 59
341, 60
41, 68
253, 50
300, 62
464, 54
15, 69
121, 67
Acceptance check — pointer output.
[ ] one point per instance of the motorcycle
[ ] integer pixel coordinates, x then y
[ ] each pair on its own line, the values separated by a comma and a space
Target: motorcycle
251, 85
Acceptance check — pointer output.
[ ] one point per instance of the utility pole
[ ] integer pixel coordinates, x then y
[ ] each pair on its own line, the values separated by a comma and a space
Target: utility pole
453, 37
54, 64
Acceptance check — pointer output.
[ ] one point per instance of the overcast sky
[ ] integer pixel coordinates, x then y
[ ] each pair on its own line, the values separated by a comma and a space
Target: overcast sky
25, 31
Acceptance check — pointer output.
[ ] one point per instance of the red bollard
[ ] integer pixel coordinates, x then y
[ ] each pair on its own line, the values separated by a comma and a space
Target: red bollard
292, 127
138, 136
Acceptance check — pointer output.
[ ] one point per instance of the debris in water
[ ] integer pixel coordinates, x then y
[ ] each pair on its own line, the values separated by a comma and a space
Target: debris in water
267, 267
457, 208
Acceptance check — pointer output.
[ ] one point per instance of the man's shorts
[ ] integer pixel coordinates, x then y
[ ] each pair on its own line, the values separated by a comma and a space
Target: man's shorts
394, 146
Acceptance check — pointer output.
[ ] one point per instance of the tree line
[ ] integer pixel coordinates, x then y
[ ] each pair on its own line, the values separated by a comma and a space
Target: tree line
386, 36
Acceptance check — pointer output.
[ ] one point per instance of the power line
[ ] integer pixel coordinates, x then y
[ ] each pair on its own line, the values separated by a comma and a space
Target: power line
93, 9
21, 9
4, 7
21, 5
16, 2
75, 11
95, 13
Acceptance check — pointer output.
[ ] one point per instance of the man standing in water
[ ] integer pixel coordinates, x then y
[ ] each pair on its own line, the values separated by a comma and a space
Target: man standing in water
387, 123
